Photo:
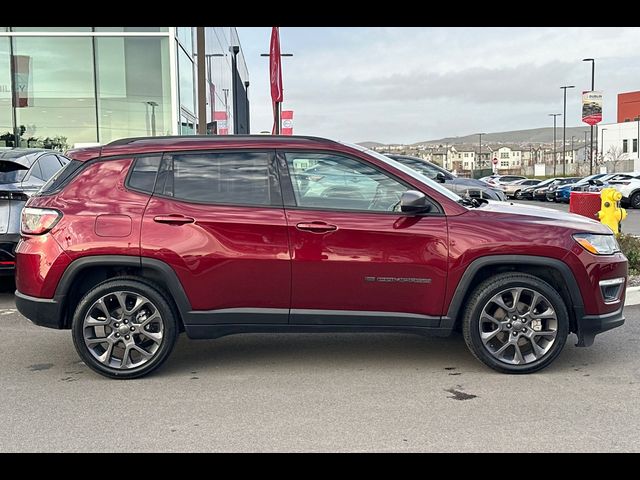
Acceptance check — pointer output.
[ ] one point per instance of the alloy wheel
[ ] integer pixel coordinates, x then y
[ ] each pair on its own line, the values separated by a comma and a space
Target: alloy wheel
518, 326
123, 330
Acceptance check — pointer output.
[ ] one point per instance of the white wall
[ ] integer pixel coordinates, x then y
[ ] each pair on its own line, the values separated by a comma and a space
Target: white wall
614, 134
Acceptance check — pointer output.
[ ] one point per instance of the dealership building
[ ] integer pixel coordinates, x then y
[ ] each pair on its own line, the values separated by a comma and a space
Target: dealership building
62, 87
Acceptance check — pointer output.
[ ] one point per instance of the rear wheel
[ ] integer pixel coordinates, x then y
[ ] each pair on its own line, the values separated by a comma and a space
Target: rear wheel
124, 328
515, 323
517, 195
635, 200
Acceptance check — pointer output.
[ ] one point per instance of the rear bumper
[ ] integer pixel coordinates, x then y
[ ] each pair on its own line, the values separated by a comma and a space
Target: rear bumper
45, 312
8, 242
591, 325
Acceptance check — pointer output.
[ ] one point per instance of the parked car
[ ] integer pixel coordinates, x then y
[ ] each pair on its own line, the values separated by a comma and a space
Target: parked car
550, 191
630, 189
528, 192
462, 186
497, 180
22, 172
563, 192
140, 239
513, 189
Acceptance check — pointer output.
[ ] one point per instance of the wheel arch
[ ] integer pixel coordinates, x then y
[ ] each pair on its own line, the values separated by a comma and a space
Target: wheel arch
553, 271
84, 273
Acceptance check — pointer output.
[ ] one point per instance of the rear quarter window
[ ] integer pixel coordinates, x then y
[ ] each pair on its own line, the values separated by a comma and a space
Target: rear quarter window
62, 177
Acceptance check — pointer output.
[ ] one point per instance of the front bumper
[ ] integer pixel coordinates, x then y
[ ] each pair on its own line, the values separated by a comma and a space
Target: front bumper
591, 325
46, 312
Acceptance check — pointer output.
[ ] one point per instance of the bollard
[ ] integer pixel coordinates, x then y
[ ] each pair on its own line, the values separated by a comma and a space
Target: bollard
610, 213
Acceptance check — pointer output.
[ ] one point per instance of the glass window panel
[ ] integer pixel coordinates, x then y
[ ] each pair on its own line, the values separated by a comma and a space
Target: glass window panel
55, 104
187, 125
242, 178
185, 36
49, 165
134, 90
185, 76
131, 29
36, 171
6, 112
335, 182
144, 172
50, 29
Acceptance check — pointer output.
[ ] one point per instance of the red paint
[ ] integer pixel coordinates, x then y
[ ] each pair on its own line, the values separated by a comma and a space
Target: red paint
247, 257
628, 106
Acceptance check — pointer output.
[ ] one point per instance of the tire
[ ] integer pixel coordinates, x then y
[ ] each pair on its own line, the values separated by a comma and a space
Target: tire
634, 200
517, 195
549, 345
148, 323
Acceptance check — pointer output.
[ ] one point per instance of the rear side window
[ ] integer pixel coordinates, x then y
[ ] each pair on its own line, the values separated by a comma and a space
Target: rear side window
49, 165
143, 174
62, 177
11, 172
232, 178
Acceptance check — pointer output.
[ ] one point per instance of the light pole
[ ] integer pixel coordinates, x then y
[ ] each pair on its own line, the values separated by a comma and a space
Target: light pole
585, 146
564, 130
479, 151
153, 106
554, 115
602, 143
593, 86
572, 155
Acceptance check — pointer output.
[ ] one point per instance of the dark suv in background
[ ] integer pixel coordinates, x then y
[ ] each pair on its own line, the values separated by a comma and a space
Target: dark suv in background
138, 240
22, 172
462, 186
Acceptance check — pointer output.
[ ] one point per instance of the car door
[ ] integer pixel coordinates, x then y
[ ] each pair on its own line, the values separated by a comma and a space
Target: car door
356, 258
217, 219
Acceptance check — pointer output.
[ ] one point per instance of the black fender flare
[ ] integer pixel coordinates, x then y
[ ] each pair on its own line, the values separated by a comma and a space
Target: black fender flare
496, 260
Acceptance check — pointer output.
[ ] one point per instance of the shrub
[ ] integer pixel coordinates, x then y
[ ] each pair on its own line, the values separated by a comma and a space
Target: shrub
630, 246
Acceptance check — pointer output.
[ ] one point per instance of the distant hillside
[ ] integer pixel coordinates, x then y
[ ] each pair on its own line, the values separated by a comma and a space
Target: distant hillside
370, 144
532, 135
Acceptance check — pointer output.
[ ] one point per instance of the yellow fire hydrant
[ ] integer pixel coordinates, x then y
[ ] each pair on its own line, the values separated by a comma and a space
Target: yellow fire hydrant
610, 213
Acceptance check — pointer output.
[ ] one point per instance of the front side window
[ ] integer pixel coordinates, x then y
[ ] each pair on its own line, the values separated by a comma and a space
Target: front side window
231, 178
336, 182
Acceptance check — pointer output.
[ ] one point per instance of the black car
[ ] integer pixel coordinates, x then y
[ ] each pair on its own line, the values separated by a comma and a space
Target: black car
550, 190
22, 172
462, 186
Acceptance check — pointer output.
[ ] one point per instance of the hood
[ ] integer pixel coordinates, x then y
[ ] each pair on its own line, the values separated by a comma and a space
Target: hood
472, 182
509, 211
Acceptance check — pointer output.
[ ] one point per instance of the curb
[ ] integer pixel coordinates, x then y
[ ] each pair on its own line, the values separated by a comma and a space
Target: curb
633, 296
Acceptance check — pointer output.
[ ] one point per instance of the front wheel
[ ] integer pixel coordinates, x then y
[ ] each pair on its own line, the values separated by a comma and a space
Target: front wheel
517, 195
515, 323
635, 200
124, 328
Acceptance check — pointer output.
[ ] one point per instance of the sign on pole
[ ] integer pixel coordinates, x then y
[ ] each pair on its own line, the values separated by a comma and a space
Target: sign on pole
287, 122
591, 107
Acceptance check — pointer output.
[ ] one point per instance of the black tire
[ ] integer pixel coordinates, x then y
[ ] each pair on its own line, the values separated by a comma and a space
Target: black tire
517, 195
481, 296
138, 286
634, 200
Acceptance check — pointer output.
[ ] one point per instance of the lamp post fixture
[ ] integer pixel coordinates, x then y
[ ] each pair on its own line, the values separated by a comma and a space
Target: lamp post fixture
564, 130
593, 78
554, 115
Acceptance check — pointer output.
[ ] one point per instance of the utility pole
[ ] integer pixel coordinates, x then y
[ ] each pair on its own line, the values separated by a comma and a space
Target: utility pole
564, 131
554, 115
593, 86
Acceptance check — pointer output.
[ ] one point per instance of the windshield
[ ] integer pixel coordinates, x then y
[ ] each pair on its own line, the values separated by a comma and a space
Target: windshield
11, 172
409, 171
545, 182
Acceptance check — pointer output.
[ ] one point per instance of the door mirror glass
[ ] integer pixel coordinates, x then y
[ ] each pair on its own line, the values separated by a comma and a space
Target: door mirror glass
413, 201
440, 178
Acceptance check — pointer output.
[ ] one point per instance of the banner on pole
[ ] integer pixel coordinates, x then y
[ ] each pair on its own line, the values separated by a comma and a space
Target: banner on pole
591, 107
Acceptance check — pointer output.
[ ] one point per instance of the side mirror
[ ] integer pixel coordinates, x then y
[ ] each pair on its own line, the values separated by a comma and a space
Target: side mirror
413, 201
440, 178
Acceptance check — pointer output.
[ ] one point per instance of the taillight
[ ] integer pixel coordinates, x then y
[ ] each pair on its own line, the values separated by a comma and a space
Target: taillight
14, 196
36, 221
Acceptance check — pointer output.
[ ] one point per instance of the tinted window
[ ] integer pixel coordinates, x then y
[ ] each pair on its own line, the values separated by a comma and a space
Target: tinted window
62, 177
143, 174
11, 172
36, 171
240, 178
322, 180
422, 167
49, 165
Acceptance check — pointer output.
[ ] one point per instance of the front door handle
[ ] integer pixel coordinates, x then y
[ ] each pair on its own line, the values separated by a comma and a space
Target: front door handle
316, 227
173, 219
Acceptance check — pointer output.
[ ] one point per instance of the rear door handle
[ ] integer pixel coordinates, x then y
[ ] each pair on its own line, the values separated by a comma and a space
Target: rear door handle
316, 227
173, 219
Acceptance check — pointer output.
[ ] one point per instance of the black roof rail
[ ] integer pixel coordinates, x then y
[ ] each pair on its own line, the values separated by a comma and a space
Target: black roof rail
218, 138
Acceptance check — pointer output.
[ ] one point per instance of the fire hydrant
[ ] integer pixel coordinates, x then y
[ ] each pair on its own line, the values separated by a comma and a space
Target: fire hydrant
610, 213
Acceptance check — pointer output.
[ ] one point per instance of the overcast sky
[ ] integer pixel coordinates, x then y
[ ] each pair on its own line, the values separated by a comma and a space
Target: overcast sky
412, 84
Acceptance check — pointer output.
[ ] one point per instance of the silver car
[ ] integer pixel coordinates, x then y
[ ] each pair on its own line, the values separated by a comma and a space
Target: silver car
22, 172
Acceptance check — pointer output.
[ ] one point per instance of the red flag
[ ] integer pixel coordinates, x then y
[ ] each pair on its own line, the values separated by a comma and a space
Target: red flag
275, 68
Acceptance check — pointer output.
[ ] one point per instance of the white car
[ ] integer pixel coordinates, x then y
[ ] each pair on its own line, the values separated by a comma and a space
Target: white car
628, 185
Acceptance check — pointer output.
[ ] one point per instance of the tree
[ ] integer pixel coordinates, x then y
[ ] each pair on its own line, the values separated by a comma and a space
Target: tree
616, 157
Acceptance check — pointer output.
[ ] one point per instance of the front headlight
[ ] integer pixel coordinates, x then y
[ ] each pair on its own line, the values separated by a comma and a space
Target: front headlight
597, 244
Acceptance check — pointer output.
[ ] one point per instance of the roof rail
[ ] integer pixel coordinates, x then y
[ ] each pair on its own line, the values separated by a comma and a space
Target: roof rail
218, 138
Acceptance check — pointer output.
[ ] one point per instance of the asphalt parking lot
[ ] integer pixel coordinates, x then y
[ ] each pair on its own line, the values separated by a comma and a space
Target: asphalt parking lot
630, 225
323, 392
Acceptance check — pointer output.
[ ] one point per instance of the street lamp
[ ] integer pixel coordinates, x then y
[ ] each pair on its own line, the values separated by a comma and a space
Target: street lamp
564, 130
593, 78
602, 143
554, 115
479, 152
572, 155
585, 146
153, 106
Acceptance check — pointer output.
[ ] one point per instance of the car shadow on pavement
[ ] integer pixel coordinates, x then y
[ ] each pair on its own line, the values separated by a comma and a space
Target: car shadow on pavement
7, 284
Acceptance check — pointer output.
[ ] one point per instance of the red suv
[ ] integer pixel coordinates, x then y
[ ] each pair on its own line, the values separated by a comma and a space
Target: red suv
138, 240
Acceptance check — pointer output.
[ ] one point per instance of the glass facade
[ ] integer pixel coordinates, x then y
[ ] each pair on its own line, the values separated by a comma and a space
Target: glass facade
99, 84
